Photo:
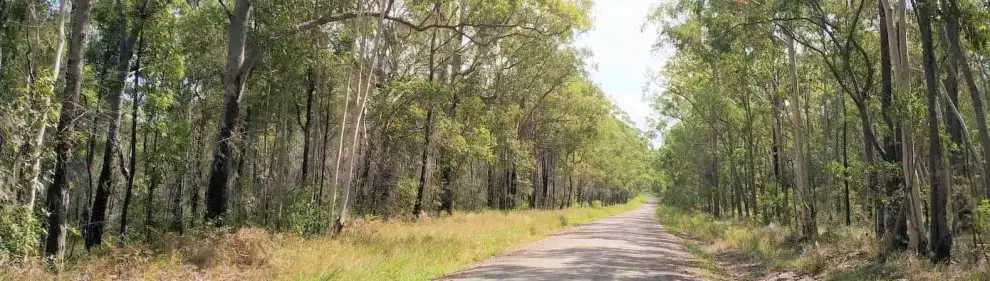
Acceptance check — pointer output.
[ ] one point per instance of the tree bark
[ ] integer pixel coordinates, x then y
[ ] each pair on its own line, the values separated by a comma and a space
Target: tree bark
98, 217
428, 129
235, 76
845, 161
898, 233
951, 13
156, 176
308, 128
31, 178
58, 191
941, 239
132, 163
809, 225
424, 165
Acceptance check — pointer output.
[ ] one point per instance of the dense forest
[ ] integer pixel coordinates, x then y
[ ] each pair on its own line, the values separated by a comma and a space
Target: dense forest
823, 115
121, 120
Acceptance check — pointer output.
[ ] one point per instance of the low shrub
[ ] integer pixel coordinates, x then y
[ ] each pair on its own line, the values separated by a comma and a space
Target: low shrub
245, 247
19, 232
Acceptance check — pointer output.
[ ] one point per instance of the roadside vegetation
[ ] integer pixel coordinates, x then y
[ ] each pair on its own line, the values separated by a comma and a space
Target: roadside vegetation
179, 135
369, 250
843, 139
737, 249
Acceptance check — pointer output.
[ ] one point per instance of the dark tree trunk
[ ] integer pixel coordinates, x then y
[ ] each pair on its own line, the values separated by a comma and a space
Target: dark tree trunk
132, 163
424, 164
513, 188
941, 239
845, 161
776, 150
325, 147
97, 220
235, 77
195, 192
58, 191
308, 128
951, 13
490, 173
176, 223
446, 184
156, 176
957, 161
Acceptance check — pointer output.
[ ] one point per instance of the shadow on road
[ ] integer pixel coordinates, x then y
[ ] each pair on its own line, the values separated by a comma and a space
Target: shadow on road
628, 247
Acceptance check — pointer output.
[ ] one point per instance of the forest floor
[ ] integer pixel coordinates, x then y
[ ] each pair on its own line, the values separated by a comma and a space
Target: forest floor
626, 247
397, 249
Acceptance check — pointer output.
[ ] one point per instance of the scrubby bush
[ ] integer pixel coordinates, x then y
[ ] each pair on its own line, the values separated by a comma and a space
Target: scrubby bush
245, 247
981, 222
596, 204
19, 232
307, 218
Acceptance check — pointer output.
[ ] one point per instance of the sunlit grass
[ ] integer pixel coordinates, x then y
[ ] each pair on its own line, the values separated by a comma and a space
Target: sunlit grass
366, 250
426, 249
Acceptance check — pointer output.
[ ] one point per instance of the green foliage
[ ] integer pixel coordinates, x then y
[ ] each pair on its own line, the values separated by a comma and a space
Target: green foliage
306, 218
981, 218
514, 113
19, 232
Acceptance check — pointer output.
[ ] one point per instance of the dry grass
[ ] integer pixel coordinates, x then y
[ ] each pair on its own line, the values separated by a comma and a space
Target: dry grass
367, 250
842, 253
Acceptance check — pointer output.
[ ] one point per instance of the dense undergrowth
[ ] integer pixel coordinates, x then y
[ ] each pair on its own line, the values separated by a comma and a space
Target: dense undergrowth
366, 250
842, 253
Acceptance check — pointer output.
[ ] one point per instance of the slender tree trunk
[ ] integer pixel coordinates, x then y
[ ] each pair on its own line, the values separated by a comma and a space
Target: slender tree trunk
176, 223
366, 71
941, 239
845, 161
951, 13
424, 165
31, 179
195, 192
340, 145
25, 172
307, 130
751, 158
957, 161
776, 151
132, 163
809, 225
4, 14
97, 219
448, 168
91, 143
326, 149
428, 131
58, 191
156, 175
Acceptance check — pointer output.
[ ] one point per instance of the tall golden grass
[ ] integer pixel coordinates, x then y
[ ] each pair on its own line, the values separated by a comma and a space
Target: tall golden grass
366, 250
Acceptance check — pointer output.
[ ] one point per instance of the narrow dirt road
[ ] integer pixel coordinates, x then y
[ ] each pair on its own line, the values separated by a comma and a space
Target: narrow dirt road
627, 247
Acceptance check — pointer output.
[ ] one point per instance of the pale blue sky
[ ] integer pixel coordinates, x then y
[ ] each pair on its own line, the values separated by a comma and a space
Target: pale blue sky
622, 53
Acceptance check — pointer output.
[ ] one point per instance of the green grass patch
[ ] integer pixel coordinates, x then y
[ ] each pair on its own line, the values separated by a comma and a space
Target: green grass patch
430, 248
